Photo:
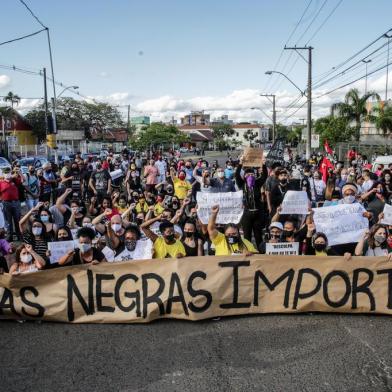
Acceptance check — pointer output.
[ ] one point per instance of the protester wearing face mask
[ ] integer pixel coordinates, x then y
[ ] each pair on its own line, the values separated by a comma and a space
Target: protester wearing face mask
221, 184
374, 243
37, 237
317, 243
317, 189
230, 241
63, 234
114, 232
368, 182
274, 236
280, 189
229, 171
132, 181
46, 218
375, 199
182, 188
151, 176
26, 260
100, 182
349, 193
204, 180
166, 245
132, 248
192, 243
85, 253
32, 188
253, 220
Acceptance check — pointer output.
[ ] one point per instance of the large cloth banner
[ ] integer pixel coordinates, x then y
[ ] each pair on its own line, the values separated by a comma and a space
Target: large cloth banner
231, 206
276, 154
342, 224
199, 288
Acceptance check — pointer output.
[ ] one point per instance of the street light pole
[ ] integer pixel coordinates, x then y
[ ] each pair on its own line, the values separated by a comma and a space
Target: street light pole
273, 114
308, 95
366, 77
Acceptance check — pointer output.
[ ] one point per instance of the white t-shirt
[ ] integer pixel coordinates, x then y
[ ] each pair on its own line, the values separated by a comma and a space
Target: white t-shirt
377, 251
143, 251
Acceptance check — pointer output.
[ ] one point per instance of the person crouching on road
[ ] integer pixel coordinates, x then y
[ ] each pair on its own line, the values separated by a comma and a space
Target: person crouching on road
230, 241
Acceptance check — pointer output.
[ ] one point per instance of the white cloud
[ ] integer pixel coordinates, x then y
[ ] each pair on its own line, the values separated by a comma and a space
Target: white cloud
5, 80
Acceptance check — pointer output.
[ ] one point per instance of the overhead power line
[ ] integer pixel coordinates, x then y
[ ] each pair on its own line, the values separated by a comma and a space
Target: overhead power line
23, 37
32, 13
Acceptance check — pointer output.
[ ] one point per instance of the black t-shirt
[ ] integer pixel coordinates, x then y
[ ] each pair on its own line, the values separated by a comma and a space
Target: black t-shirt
76, 180
97, 255
101, 179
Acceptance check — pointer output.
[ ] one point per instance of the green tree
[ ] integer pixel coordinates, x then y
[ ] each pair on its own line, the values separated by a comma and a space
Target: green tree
294, 136
333, 129
282, 131
222, 134
250, 136
382, 118
157, 135
72, 114
353, 109
13, 98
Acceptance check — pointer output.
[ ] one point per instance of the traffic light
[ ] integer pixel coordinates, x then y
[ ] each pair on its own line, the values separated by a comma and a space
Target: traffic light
51, 140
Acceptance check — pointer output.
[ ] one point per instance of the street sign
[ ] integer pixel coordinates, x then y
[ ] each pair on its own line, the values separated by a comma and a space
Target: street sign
315, 141
304, 135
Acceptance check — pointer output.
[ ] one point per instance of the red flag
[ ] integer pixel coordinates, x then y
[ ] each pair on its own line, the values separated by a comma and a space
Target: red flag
325, 165
328, 149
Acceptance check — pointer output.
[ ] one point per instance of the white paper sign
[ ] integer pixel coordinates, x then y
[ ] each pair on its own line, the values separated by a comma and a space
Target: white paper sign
143, 251
295, 202
282, 248
387, 220
59, 249
116, 174
342, 224
315, 141
230, 206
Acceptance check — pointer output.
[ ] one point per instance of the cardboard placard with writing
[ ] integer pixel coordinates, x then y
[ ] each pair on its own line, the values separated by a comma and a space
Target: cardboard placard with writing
252, 157
282, 248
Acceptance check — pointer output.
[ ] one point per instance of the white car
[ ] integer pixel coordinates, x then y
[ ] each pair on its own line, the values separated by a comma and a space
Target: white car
183, 149
4, 164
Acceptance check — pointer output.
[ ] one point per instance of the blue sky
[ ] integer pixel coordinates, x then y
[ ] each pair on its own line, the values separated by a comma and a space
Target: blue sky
165, 57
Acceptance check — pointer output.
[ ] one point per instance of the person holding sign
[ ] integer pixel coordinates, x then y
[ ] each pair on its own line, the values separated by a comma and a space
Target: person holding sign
85, 254
253, 219
317, 243
229, 243
26, 261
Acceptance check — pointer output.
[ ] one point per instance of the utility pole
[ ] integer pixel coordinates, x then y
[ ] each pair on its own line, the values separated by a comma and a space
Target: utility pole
366, 77
273, 113
308, 94
46, 112
129, 119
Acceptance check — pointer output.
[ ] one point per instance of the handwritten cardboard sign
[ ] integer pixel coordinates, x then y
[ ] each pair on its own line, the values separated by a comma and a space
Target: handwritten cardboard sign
230, 206
387, 220
282, 248
253, 157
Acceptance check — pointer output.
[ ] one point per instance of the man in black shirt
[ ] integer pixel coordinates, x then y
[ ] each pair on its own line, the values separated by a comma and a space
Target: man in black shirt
252, 219
279, 190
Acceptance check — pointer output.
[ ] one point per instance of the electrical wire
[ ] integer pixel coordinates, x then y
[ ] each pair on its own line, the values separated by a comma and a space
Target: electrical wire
287, 41
32, 13
23, 37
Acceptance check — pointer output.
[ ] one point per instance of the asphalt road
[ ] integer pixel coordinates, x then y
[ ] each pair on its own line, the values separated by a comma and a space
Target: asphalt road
313, 352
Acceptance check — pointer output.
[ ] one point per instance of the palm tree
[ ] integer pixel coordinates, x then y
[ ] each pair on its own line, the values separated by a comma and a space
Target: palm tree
382, 118
13, 98
354, 109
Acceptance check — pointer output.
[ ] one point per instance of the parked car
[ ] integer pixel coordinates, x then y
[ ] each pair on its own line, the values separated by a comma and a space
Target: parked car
4, 164
183, 149
37, 162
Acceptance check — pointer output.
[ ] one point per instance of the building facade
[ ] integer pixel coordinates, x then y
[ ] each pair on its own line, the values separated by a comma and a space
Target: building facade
140, 122
196, 118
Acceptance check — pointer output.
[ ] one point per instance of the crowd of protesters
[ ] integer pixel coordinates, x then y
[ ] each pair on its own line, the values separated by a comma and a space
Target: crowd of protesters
127, 207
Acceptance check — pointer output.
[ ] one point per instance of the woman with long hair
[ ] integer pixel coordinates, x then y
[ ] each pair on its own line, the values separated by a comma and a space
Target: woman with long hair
374, 243
27, 260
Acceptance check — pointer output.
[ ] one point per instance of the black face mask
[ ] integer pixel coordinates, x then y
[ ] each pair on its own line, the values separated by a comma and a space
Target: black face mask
139, 221
284, 181
274, 236
319, 247
130, 245
288, 233
233, 240
189, 234
170, 238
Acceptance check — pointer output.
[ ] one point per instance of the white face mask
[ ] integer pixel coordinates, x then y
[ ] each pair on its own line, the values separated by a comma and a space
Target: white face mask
116, 227
221, 174
26, 258
37, 230
84, 248
349, 199
87, 224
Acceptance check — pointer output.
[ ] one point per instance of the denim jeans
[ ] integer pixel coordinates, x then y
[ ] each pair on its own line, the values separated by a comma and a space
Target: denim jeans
12, 214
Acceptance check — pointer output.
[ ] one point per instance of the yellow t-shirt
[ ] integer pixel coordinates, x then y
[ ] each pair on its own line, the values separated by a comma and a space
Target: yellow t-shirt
222, 248
181, 188
163, 250
119, 209
141, 208
158, 209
